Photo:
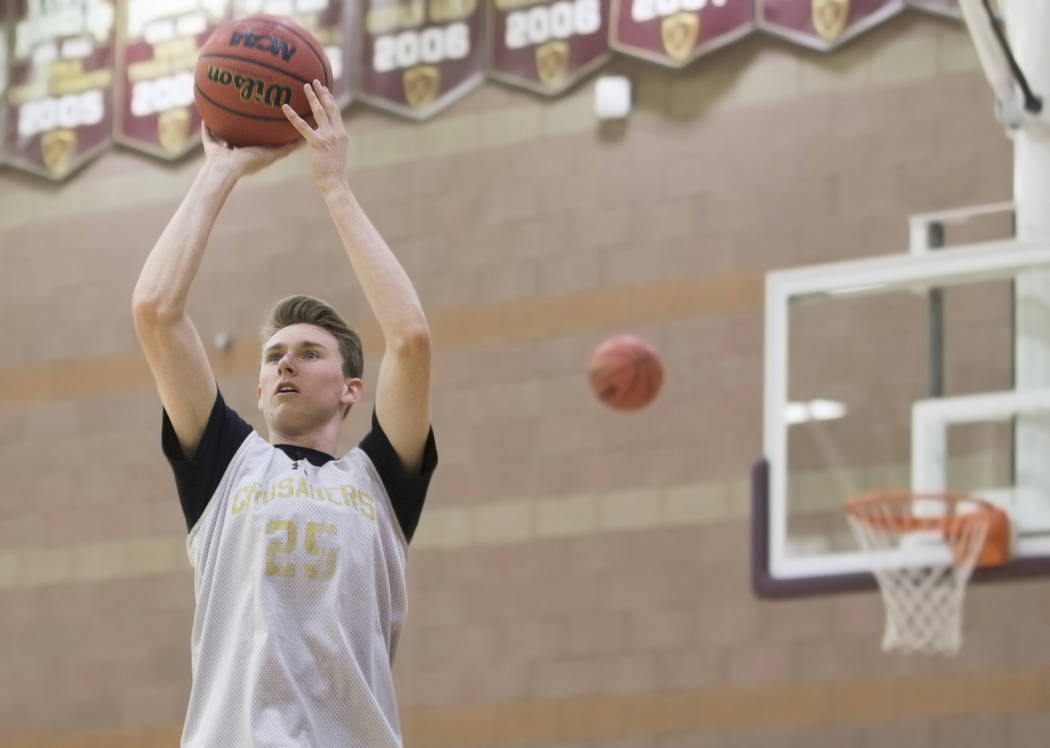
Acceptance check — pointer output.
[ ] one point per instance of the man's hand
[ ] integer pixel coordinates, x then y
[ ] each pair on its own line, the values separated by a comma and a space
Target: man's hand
238, 162
327, 143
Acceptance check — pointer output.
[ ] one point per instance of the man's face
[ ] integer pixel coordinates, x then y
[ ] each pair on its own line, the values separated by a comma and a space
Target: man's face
301, 382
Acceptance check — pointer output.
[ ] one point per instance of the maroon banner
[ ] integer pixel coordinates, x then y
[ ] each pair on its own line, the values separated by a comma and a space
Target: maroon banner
59, 98
546, 46
3, 70
159, 41
823, 24
676, 32
949, 8
331, 21
415, 58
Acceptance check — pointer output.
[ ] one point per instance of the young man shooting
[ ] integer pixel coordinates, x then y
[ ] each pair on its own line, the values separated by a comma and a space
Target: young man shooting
298, 555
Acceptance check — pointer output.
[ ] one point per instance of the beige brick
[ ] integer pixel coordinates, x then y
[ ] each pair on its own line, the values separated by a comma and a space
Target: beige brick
691, 96
903, 60
689, 667
507, 282
46, 566
605, 674
740, 499
506, 522
148, 556
664, 630
816, 490
10, 569
845, 70
534, 638
571, 272
595, 635
506, 203
955, 52
887, 477
629, 510
443, 528
760, 662
569, 114
771, 76
510, 125
98, 561
695, 503
568, 515
610, 224
650, 92
442, 136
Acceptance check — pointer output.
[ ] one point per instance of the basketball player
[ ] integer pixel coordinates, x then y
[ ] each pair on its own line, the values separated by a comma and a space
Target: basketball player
298, 555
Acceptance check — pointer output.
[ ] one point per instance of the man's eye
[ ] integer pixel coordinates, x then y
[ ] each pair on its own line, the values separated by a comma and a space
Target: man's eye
273, 357
310, 354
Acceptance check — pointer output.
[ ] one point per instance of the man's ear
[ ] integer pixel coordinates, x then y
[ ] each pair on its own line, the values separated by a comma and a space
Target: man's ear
258, 398
353, 388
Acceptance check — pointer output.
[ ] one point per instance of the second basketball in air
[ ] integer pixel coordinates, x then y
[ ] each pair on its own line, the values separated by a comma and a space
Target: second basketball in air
625, 372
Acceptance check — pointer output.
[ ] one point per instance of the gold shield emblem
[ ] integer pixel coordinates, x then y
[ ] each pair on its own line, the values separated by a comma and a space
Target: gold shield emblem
552, 62
421, 85
829, 17
173, 129
57, 148
680, 33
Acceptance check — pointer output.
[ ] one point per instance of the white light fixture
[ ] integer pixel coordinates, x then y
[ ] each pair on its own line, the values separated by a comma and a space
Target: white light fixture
814, 410
612, 97
223, 341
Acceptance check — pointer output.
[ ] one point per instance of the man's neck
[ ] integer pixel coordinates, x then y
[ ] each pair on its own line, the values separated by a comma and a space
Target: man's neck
320, 440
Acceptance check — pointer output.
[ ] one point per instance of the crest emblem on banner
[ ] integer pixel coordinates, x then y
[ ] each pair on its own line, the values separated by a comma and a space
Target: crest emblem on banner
679, 33
829, 17
421, 85
173, 129
552, 62
57, 148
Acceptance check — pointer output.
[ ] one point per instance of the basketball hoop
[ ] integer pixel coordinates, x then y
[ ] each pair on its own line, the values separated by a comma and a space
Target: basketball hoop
923, 548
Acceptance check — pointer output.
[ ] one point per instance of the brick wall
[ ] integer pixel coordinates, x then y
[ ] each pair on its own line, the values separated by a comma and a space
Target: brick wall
580, 578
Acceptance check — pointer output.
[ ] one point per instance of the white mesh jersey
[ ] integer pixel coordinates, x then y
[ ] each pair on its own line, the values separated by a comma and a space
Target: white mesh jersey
300, 587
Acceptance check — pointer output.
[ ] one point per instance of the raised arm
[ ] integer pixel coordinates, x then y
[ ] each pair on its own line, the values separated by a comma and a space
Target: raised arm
403, 387
168, 337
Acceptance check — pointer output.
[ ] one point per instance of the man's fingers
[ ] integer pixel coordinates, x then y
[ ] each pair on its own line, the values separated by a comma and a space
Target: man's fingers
297, 122
329, 102
320, 113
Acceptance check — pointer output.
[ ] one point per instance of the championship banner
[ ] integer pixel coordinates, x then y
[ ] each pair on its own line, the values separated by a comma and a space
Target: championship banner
949, 8
59, 102
159, 41
823, 24
546, 46
331, 21
415, 57
676, 32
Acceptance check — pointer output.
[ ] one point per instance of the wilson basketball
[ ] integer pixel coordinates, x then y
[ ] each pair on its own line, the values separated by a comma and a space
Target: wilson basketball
625, 372
247, 69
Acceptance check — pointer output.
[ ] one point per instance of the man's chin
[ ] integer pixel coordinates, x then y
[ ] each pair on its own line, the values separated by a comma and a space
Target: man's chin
294, 421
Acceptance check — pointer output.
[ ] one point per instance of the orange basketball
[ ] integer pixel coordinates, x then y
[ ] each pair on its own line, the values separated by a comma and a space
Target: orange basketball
248, 69
625, 372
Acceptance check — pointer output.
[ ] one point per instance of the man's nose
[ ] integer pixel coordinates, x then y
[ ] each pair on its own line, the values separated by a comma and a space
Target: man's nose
285, 364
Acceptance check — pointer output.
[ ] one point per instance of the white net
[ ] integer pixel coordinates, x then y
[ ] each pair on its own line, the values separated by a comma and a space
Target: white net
923, 551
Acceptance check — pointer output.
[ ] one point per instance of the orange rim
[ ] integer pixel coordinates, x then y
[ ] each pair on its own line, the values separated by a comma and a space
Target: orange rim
871, 508
875, 509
